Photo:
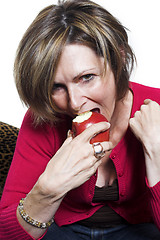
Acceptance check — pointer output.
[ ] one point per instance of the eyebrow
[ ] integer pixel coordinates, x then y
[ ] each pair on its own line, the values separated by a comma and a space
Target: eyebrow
82, 73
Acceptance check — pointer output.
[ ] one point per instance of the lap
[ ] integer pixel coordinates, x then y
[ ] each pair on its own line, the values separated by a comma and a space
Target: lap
146, 231
60, 233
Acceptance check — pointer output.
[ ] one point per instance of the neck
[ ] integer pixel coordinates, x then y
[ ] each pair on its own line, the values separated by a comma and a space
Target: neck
120, 118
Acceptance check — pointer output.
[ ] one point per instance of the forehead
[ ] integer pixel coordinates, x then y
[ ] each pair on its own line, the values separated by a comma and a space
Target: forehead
76, 58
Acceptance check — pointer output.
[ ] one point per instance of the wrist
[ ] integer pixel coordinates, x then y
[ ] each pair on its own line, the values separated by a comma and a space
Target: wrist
40, 206
152, 168
30, 220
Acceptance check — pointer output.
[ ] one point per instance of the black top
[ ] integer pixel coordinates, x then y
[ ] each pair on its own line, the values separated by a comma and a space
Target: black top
105, 216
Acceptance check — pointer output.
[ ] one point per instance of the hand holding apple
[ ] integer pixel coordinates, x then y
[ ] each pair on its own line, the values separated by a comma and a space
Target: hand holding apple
86, 119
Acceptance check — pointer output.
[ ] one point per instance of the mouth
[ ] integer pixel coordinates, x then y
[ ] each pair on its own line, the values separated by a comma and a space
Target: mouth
95, 110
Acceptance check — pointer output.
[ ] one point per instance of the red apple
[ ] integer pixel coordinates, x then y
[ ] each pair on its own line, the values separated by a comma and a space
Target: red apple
86, 119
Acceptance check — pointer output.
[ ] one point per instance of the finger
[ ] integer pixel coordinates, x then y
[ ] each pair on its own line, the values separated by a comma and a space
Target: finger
94, 129
88, 165
107, 146
147, 101
84, 175
84, 164
152, 103
68, 139
135, 127
89, 172
132, 123
149, 109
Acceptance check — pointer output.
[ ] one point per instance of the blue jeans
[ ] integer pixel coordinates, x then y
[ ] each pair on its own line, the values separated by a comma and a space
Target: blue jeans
145, 231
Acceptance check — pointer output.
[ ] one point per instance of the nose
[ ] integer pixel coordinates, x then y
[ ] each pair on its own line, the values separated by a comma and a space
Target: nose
76, 99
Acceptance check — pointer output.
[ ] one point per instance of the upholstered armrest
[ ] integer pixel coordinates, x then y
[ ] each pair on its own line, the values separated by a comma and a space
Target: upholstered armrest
8, 137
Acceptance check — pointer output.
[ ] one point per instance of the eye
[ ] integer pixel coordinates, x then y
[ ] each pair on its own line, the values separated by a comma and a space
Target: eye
58, 87
87, 77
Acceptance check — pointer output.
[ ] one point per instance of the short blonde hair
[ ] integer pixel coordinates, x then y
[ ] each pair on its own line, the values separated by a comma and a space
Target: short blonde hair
70, 21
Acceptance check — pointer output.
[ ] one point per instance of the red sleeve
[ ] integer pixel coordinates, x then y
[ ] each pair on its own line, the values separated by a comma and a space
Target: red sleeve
155, 203
35, 147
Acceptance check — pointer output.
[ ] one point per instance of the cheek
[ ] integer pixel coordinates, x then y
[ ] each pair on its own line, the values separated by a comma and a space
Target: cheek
106, 97
103, 92
60, 100
109, 97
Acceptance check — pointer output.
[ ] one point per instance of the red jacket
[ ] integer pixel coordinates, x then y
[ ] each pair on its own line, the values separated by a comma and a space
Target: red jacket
137, 202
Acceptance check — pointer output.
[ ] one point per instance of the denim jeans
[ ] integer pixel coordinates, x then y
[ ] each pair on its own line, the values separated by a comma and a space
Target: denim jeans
145, 231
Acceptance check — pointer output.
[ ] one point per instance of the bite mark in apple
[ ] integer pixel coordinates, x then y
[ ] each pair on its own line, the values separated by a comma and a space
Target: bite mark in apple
86, 119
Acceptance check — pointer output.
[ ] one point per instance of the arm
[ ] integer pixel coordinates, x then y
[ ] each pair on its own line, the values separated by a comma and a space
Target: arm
146, 126
47, 177
34, 148
65, 171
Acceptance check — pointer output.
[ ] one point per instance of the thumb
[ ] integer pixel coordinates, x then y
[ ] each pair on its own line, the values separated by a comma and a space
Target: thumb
147, 101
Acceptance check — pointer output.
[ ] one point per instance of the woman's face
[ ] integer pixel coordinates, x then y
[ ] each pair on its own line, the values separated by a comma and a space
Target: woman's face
80, 83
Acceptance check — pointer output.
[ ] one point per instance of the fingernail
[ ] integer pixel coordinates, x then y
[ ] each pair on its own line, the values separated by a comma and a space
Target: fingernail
69, 133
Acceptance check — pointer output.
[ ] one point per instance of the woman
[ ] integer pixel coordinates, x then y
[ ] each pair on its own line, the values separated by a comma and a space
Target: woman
73, 58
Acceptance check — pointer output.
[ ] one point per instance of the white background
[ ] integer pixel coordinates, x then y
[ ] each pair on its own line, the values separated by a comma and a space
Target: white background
140, 16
